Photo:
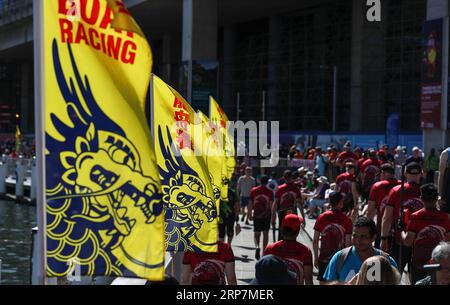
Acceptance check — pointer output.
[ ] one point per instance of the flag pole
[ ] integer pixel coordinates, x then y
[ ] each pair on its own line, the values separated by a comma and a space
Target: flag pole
38, 20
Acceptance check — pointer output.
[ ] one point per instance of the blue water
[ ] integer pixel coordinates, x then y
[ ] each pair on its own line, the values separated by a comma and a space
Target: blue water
16, 222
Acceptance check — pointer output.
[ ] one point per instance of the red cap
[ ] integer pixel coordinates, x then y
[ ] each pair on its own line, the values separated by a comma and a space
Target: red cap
292, 222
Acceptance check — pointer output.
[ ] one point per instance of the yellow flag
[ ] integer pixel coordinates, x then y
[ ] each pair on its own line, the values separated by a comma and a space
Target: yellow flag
218, 116
212, 150
188, 194
18, 136
104, 209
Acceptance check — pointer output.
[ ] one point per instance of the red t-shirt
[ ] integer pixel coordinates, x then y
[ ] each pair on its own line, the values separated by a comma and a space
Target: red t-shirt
288, 195
333, 225
430, 227
224, 254
261, 197
345, 176
379, 193
411, 202
361, 161
290, 249
425, 217
347, 156
369, 162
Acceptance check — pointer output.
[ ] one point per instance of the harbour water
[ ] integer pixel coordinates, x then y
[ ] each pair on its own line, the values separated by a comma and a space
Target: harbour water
16, 222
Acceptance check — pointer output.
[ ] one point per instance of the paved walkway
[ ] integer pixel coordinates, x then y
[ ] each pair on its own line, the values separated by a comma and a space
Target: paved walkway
244, 250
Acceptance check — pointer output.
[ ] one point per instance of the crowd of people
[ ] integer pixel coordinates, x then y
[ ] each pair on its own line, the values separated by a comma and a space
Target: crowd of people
371, 209
10, 148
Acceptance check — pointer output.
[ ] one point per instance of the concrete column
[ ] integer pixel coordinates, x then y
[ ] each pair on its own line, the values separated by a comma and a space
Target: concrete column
440, 138
273, 68
199, 41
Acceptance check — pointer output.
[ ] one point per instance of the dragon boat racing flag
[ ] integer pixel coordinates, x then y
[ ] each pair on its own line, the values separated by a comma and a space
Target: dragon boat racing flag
212, 150
191, 206
220, 119
104, 214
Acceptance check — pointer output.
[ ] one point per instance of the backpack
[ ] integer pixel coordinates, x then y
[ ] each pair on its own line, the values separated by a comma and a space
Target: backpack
287, 201
370, 177
343, 255
261, 207
411, 206
296, 266
209, 272
332, 239
346, 188
427, 239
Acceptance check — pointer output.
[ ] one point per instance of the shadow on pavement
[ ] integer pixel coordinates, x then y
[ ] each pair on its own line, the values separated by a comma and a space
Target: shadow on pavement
244, 247
244, 259
246, 280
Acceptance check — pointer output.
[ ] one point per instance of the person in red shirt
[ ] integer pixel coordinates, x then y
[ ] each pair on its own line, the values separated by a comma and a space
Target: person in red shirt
378, 196
346, 184
426, 229
358, 152
210, 267
361, 160
391, 216
261, 199
287, 199
334, 229
368, 174
289, 248
346, 156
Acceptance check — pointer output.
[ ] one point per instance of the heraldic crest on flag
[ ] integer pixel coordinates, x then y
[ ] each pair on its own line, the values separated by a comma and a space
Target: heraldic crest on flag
189, 209
97, 193
190, 203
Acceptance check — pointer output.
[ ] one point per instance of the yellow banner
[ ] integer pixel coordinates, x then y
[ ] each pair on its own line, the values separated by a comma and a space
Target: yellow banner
218, 116
212, 151
188, 194
104, 209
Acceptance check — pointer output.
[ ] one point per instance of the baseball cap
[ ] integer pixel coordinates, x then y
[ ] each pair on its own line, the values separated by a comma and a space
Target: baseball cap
388, 168
292, 222
273, 270
348, 144
413, 168
415, 148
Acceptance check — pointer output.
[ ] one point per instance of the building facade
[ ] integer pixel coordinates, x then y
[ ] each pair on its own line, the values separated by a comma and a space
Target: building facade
265, 59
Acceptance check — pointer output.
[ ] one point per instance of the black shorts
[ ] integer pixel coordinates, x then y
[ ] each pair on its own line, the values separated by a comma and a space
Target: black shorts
227, 226
261, 225
322, 268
